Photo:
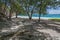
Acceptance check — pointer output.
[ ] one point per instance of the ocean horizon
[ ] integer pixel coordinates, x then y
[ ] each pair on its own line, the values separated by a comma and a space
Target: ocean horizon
44, 16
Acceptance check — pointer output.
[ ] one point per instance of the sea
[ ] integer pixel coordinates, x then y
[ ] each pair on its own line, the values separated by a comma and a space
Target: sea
46, 15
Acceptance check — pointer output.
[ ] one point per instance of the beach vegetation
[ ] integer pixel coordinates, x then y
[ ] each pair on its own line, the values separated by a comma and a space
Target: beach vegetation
55, 19
43, 4
26, 6
31, 6
12, 6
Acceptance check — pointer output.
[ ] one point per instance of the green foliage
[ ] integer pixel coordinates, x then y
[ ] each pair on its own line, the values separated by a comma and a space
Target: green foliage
55, 19
22, 6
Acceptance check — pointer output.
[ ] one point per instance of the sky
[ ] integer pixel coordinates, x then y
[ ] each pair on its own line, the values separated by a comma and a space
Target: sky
54, 11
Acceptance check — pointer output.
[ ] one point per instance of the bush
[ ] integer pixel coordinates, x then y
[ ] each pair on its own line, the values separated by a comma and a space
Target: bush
55, 20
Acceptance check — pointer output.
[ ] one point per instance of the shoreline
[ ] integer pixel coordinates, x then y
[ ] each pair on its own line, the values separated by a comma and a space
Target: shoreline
45, 18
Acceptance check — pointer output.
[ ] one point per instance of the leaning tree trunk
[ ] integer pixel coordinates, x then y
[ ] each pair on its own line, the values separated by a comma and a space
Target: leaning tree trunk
40, 11
16, 14
39, 15
30, 17
27, 9
10, 14
31, 13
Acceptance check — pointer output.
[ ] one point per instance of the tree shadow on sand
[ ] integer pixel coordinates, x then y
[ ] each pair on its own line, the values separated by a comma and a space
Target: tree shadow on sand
46, 26
30, 32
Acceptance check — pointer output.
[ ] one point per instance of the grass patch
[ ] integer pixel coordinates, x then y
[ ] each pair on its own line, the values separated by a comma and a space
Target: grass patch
55, 19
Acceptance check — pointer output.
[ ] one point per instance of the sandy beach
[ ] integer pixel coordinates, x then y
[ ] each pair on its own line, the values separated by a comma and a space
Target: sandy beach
45, 28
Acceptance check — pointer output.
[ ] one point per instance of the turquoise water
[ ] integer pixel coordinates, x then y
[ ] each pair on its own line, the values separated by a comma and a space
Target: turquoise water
47, 15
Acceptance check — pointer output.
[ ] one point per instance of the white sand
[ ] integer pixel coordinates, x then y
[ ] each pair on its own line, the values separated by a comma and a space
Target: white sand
53, 34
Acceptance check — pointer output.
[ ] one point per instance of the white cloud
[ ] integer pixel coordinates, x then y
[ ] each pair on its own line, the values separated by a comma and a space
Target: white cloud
53, 11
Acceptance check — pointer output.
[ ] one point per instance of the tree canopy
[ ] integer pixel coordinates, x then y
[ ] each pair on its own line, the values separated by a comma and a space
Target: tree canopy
28, 6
